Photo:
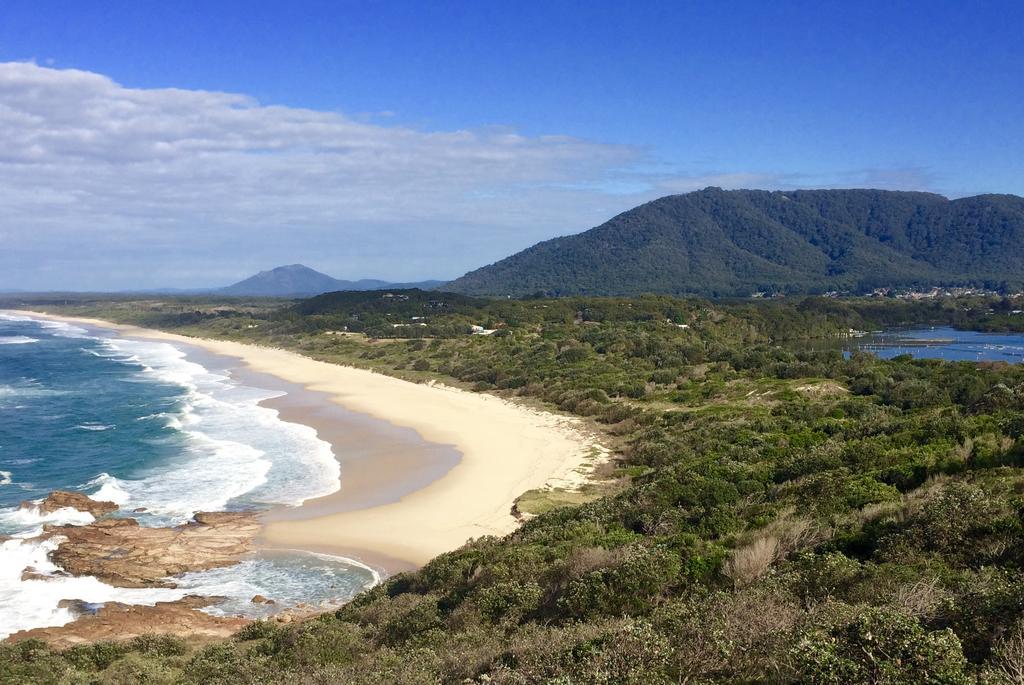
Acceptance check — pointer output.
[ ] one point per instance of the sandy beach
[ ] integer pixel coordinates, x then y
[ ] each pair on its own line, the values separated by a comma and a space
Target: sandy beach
501, 449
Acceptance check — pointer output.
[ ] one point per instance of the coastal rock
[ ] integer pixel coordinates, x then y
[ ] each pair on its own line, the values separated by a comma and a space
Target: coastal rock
60, 499
260, 599
123, 553
116, 621
79, 607
32, 573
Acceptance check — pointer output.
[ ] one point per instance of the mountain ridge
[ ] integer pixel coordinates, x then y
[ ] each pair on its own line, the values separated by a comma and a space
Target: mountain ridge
715, 242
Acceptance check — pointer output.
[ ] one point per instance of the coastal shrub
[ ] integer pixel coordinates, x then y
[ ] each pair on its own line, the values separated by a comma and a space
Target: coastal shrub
401, 666
257, 630
98, 655
32, 661
453, 569
421, 365
217, 663
513, 383
880, 646
731, 637
664, 376
159, 645
1007, 663
574, 355
137, 669
409, 617
614, 413
986, 605
605, 652
821, 577
633, 654
961, 523
327, 642
509, 601
625, 587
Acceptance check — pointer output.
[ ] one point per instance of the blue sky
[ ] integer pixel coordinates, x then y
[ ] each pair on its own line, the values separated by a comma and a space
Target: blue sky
490, 125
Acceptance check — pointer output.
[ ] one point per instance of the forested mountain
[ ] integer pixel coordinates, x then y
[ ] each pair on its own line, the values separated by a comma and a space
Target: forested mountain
298, 280
715, 242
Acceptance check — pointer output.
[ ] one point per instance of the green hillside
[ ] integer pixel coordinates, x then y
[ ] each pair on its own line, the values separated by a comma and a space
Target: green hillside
724, 243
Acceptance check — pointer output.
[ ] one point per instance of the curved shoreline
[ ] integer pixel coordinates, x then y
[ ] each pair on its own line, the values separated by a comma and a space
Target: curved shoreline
506, 450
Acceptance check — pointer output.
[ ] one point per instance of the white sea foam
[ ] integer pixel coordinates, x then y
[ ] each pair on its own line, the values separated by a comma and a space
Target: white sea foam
28, 388
59, 328
8, 316
110, 490
374, 574
5, 477
17, 340
94, 427
29, 521
36, 390
233, 449
63, 329
32, 603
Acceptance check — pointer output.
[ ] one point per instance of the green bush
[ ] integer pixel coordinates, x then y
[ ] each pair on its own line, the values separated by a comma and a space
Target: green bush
509, 601
881, 646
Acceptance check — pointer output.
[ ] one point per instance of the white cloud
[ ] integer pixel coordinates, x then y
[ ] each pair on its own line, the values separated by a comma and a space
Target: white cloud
90, 168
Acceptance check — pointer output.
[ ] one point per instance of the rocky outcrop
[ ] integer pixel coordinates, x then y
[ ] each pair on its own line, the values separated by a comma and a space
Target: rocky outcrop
115, 621
32, 573
120, 552
123, 553
60, 499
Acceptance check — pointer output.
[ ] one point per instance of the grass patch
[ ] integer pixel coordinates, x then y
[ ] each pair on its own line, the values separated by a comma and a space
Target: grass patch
542, 500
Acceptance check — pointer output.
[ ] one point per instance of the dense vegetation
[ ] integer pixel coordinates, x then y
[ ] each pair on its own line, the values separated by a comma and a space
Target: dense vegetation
398, 314
729, 243
776, 513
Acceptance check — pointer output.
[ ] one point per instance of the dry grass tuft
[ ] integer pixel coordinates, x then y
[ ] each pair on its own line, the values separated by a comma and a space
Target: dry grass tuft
752, 561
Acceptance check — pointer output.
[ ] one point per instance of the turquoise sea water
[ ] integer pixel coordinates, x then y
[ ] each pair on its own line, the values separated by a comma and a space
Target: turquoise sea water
141, 424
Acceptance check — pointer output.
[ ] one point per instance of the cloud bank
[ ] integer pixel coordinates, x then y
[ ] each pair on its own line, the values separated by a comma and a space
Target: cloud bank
179, 181
109, 187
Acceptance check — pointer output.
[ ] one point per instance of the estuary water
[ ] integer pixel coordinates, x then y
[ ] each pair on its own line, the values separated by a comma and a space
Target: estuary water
944, 343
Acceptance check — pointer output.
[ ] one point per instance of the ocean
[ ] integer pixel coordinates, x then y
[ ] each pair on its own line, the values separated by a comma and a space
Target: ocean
141, 424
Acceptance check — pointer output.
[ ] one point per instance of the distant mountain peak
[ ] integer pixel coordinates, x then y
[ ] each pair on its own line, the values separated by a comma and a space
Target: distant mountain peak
299, 280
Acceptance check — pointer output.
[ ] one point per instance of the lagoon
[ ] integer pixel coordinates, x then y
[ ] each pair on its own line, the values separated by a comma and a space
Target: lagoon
948, 344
